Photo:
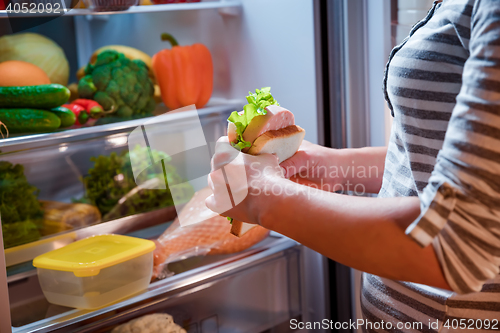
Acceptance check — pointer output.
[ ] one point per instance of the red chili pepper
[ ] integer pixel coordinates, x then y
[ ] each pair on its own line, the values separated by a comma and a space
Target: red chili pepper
93, 108
80, 113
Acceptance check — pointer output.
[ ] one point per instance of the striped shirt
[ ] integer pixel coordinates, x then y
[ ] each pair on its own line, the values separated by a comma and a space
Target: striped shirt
442, 85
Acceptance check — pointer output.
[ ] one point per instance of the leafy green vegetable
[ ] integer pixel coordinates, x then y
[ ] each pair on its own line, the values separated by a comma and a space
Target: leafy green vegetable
257, 103
19, 233
111, 187
118, 83
261, 99
20, 210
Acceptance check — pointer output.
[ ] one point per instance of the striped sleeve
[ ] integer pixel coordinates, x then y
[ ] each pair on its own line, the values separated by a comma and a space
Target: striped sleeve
460, 206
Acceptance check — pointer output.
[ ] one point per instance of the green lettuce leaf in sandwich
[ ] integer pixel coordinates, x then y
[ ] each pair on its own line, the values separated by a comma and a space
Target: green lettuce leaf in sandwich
257, 103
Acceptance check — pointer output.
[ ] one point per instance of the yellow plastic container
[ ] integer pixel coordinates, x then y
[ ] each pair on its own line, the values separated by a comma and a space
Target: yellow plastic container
95, 272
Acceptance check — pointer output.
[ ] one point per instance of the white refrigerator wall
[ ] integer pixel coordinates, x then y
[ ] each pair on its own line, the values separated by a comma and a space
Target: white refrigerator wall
271, 43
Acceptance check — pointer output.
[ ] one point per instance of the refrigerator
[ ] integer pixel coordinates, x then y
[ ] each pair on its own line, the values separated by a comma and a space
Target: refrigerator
324, 60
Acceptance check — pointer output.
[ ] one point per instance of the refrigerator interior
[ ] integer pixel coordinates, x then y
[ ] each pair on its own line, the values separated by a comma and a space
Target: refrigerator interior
254, 43
265, 43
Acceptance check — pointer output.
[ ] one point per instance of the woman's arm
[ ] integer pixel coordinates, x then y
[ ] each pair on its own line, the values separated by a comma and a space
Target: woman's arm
363, 233
332, 170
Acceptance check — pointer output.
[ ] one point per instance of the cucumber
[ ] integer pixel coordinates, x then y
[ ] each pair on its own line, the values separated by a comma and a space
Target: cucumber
67, 116
29, 120
45, 96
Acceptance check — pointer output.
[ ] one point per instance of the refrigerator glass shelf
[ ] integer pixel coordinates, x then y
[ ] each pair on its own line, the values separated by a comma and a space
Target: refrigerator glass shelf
19, 258
28, 142
221, 4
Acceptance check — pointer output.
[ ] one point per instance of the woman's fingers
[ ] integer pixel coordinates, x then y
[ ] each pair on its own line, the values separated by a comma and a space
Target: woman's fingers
228, 179
269, 164
210, 202
224, 153
295, 164
223, 139
220, 201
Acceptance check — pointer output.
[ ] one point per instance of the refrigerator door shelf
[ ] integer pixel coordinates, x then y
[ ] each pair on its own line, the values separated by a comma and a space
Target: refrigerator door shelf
252, 291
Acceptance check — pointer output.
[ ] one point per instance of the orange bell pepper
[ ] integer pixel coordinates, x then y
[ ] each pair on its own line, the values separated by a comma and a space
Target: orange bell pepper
184, 74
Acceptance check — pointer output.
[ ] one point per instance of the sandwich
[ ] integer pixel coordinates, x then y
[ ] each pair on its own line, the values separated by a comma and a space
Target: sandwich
263, 127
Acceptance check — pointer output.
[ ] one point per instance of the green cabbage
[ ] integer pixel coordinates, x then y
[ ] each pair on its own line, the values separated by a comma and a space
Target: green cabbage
38, 50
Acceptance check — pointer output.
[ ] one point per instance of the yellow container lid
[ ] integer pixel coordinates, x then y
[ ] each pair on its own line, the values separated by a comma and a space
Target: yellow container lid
88, 256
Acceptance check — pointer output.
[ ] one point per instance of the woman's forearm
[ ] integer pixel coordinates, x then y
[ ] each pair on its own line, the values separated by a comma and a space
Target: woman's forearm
363, 233
362, 168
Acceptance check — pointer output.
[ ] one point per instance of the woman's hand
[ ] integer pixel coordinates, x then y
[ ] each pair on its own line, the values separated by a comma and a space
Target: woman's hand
243, 184
358, 170
314, 165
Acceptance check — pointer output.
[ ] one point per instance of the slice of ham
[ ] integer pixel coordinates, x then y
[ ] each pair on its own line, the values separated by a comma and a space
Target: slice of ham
276, 118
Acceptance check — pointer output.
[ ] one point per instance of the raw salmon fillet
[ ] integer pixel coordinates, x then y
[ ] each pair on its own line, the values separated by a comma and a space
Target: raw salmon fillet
212, 236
